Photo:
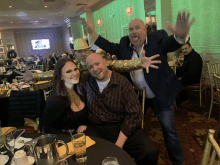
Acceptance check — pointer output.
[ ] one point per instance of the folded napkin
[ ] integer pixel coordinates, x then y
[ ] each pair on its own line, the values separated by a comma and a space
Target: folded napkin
62, 149
20, 142
32, 123
6, 130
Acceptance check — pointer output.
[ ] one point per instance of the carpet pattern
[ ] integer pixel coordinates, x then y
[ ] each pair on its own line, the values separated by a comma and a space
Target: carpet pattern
192, 127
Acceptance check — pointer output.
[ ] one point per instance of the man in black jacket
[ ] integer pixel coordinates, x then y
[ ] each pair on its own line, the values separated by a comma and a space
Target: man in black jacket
192, 66
161, 84
190, 72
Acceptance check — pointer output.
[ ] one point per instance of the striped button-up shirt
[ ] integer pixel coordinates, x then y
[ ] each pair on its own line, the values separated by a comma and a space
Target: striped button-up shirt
118, 103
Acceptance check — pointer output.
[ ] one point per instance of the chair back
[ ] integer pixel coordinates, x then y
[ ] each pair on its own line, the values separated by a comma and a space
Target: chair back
142, 93
40, 67
26, 104
47, 87
217, 84
173, 68
211, 143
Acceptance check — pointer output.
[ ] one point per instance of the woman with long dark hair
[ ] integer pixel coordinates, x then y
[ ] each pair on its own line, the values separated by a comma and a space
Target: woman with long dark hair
66, 109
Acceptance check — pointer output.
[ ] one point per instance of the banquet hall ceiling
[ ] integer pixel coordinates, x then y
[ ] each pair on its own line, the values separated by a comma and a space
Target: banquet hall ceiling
16, 14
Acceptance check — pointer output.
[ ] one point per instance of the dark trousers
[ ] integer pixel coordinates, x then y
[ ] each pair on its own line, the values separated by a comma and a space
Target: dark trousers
139, 146
170, 134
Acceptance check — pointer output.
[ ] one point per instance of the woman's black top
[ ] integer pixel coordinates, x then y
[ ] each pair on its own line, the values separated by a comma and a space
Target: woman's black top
58, 116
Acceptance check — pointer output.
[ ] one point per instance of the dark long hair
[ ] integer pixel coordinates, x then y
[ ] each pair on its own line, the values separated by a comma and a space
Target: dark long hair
59, 85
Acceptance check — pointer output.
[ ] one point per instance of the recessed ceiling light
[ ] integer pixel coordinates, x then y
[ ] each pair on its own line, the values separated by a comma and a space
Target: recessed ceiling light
11, 22
36, 21
45, 6
41, 18
10, 6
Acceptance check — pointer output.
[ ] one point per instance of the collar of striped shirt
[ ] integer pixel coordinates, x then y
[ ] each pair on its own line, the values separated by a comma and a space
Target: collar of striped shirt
113, 80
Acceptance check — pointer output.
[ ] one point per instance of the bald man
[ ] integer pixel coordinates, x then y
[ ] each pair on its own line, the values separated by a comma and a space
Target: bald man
114, 112
161, 84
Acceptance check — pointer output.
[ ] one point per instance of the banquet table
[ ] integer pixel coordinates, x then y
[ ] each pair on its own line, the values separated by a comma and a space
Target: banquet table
95, 153
4, 103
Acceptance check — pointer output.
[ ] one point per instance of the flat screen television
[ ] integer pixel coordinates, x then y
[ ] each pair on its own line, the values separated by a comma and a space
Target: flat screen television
40, 44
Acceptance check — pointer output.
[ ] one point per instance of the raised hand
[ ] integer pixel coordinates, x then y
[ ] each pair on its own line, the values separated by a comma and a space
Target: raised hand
148, 61
26, 76
181, 29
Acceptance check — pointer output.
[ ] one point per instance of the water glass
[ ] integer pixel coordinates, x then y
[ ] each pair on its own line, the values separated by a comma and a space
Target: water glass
110, 161
9, 143
62, 162
79, 145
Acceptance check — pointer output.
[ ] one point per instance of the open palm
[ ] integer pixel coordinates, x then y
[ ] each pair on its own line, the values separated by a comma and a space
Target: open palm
27, 76
149, 61
182, 27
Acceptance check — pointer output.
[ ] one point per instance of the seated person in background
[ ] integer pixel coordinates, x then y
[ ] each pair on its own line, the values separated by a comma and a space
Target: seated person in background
9, 62
114, 111
64, 55
190, 72
65, 109
54, 58
14, 62
173, 56
30, 61
71, 56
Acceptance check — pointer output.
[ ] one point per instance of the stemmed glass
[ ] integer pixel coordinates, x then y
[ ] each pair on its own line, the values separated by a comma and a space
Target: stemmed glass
9, 143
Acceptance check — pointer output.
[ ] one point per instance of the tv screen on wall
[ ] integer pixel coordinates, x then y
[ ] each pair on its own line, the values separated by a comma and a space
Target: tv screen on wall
40, 44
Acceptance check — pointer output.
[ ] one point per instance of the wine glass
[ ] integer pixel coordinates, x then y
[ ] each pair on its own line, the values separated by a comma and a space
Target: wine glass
9, 143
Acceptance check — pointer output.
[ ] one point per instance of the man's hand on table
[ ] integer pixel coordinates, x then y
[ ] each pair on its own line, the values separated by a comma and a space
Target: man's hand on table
121, 140
26, 76
119, 145
81, 128
148, 61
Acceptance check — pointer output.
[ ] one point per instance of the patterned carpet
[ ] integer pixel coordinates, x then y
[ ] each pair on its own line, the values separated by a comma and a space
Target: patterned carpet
191, 125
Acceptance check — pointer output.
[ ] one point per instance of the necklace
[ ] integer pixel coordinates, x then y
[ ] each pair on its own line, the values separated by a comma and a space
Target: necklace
74, 98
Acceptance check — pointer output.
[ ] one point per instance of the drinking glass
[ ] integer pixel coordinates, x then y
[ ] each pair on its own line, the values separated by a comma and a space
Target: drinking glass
79, 145
110, 161
9, 143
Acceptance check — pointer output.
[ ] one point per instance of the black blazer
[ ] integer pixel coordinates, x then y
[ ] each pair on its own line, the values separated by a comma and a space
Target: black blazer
163, 82
191, 68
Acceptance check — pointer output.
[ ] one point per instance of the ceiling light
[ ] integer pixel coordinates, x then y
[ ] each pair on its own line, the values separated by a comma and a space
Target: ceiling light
45, 6
11, 22
10, 6
41, 18
36, 21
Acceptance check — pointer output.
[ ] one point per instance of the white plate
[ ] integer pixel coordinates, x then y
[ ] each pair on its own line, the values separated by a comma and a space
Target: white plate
3, 159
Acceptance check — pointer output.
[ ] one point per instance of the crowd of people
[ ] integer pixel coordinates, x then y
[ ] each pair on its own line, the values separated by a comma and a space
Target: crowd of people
95, 94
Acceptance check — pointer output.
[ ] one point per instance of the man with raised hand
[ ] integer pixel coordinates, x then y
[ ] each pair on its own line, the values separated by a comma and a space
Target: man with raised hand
161, 84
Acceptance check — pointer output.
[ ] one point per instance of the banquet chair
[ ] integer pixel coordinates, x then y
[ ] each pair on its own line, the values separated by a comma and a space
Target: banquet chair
217, 85
26, 104
47, 87
202, 85
142, 93
212, 69
211, 142
174, 70
39, 67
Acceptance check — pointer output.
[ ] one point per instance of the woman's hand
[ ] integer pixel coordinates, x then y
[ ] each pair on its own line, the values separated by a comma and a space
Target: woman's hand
81, 128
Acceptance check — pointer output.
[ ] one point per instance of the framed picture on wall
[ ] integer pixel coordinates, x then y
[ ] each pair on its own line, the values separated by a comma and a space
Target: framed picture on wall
2, 56
1, 43
1, 50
